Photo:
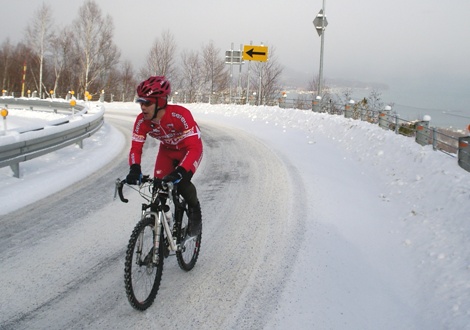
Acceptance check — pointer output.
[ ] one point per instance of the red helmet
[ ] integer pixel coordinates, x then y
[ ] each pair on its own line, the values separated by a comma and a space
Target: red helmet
153, 88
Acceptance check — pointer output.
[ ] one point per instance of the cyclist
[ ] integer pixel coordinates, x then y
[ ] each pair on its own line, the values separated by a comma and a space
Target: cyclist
180, 148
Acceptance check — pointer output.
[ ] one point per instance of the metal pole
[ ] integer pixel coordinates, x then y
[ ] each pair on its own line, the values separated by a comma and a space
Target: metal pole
248, 83
320, 79
240, 76
247, 101
231, 73
260, 81
24, 79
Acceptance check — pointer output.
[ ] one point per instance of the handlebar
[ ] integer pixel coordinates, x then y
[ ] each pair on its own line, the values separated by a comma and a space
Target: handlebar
167, 186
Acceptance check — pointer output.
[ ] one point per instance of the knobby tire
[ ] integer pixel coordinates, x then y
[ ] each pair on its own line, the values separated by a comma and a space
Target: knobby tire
187, 257
142, 278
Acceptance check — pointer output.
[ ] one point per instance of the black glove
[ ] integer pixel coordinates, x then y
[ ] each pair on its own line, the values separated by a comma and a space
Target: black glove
135, 175
176, 176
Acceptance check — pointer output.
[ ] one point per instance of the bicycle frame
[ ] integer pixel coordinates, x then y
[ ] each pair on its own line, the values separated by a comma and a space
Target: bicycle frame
154, 208
153, 238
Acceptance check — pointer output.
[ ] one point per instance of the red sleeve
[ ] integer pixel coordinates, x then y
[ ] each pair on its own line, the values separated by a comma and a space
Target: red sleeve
190, 139
193, 151
139, 134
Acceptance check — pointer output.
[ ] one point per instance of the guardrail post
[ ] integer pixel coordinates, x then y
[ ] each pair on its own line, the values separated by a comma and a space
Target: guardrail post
464, 153
397, 123
348, 112
16, 170
422, 132
384, 117
316, 104
434, 138
363, 110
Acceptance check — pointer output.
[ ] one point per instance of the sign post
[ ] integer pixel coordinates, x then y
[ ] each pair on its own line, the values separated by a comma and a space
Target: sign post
233, 57
255, 53
4, 113
320, 24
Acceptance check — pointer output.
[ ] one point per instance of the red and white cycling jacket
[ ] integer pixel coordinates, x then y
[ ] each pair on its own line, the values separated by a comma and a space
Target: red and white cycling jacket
177, 131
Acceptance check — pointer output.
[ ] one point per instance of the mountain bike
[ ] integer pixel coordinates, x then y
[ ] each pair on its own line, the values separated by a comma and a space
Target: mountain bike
160, 233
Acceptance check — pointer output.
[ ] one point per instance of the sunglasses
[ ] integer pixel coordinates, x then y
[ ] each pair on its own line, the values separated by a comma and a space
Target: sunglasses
145, 102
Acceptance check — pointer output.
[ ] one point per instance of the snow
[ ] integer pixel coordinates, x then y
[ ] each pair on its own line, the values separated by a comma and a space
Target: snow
386, 221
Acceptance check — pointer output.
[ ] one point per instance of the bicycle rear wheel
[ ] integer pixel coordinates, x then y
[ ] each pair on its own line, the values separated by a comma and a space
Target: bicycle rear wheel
187, 256
142, 276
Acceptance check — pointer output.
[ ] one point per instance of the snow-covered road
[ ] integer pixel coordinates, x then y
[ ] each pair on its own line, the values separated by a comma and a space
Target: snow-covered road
65, 254
310, 222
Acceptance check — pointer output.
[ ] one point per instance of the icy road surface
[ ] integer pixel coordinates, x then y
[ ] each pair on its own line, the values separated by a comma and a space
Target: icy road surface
311, 221
65, 254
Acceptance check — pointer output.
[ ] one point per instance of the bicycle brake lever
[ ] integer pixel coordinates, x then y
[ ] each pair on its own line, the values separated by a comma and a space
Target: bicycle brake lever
118, 189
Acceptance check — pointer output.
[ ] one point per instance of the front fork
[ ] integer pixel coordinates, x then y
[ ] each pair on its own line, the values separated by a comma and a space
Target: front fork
159, 219
156, 237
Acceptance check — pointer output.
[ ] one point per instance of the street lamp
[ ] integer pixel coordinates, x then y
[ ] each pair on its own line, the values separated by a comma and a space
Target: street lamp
320, 24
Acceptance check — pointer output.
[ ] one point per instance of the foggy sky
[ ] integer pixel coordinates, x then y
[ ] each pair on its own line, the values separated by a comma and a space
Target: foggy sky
415, 47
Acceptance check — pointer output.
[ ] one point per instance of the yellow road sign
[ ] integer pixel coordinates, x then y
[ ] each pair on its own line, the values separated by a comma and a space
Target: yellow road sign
255, 53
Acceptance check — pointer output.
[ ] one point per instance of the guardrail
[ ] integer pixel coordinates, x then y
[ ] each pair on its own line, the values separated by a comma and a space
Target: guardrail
37, 140
445, 140
451, 142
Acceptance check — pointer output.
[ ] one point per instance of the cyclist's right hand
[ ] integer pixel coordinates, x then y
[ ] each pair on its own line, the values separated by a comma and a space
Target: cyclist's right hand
135, 175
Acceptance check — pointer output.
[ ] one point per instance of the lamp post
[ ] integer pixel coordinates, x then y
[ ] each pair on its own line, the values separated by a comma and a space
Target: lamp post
320, 24
320, 80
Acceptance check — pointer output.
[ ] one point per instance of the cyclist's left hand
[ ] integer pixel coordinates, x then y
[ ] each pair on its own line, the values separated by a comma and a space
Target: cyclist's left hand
176, 176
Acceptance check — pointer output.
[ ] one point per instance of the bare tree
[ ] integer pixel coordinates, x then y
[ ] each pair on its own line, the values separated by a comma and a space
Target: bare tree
62, 52
160, 60
268, 74
6, 53
94, 40
191, 70
127, 82
347, 95
313, 84
375, 100
214, 72
12, 60
38, 37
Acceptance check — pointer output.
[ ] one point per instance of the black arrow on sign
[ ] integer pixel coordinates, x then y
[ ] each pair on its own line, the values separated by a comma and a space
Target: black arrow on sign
251, 52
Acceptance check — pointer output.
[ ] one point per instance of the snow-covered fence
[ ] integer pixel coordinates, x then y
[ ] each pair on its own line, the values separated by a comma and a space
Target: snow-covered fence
445, 140
464, 152
27, 143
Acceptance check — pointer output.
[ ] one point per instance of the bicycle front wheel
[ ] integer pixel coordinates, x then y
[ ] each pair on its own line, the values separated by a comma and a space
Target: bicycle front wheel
187, 256
143, 266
